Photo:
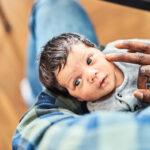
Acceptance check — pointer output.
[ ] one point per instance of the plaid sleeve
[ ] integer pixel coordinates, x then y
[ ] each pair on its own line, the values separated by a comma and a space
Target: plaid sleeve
47, 127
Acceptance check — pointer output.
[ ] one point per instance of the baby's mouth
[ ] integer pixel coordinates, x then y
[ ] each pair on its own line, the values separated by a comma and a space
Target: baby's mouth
103, 82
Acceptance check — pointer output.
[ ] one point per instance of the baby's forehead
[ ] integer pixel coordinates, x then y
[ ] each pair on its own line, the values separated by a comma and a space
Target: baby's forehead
81, 47
80, 52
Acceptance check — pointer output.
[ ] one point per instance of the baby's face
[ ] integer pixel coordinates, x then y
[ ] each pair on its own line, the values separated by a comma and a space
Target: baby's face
87, 75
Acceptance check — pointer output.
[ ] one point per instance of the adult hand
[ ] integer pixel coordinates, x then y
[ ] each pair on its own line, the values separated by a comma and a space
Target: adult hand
138, 53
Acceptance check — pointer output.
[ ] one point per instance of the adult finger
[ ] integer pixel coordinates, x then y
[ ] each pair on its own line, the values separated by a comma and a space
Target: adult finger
141, 83
136, 58
143, 76
133, 46
143, 94
144, 71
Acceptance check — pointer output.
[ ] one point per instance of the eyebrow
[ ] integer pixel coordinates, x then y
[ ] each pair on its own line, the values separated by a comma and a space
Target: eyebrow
69, 79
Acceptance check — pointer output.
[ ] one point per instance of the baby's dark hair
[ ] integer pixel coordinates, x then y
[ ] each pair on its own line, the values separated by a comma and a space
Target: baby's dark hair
54, 56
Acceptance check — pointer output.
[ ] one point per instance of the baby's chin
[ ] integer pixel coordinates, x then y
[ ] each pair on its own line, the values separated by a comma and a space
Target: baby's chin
103, 96
87, 99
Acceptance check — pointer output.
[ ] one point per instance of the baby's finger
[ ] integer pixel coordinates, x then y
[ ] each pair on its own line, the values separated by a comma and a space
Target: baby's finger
136, 58
143, 94
144, 71
133, 46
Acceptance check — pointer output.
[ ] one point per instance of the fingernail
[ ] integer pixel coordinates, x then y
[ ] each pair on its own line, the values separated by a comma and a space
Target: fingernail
109, 55
143, 71
118, 44
139, 95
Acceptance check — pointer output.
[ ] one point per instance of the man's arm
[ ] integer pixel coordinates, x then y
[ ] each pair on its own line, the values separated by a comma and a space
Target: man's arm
47, 127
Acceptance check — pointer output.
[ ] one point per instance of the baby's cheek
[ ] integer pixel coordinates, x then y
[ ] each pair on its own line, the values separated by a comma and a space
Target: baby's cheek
88, 95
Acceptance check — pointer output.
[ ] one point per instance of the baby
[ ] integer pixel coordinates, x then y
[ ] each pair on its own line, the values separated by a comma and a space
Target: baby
72, 66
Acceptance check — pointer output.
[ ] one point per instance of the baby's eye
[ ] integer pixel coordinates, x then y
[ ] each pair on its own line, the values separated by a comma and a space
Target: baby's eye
77, 82
89, 60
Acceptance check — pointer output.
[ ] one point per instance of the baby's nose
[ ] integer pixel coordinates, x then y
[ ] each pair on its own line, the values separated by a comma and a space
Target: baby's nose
91, 74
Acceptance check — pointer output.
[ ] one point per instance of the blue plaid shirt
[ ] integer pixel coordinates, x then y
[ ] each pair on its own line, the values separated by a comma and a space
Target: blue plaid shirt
45, 126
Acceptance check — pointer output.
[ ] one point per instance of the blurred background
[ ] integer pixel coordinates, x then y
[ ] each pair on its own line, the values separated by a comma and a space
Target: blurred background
111, 22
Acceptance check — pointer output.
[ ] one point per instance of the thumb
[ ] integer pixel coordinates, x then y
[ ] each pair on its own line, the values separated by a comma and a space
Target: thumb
142, 94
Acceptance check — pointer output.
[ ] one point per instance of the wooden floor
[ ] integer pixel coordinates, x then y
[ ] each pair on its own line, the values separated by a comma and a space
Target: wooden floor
111, 22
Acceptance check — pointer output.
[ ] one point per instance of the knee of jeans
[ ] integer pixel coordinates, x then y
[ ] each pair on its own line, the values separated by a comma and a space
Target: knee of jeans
51, 3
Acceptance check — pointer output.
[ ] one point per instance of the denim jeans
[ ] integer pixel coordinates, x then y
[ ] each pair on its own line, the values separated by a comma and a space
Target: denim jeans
50, 18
